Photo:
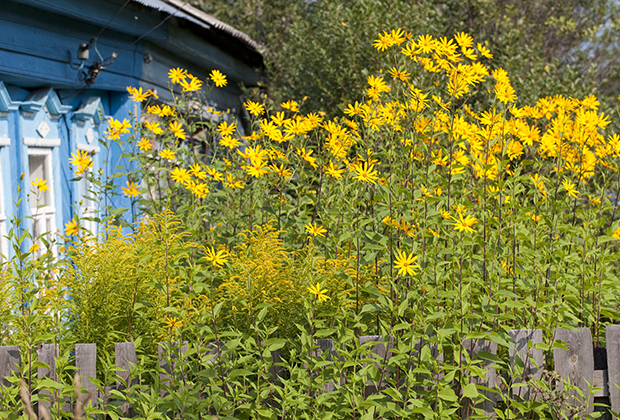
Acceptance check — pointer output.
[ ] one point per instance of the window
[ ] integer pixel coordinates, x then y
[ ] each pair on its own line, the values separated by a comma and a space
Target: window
42, 205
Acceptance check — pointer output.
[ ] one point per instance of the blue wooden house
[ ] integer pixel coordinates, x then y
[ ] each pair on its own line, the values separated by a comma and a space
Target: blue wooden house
64, 69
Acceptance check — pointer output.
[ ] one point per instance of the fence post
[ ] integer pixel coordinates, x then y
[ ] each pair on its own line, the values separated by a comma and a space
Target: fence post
529, 356
612, 335
47, 353
165, 370
86, 364
576, 364
473, 348
326, 346
378, 349
125, 360
9, 363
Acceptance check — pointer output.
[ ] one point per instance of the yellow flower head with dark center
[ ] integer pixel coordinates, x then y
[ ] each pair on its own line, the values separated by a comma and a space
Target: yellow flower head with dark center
132, 190
72, 228
217, 258
144, 145
315, 229
405, 263
166, 154
40, 184
254, 108
320, 294
176, 75
82, 161
177, 130
365, 172
218, 78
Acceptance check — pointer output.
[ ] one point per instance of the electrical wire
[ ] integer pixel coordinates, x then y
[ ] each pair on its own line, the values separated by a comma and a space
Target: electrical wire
110, 21
97, 67
153, 28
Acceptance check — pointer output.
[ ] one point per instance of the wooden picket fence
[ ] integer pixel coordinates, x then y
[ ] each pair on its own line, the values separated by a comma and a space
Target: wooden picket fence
577, 364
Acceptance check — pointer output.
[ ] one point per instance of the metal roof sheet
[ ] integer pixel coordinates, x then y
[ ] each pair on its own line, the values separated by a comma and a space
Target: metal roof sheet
184, 10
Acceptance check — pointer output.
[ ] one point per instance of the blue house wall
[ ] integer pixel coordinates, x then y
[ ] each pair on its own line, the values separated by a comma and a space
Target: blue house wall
47, 111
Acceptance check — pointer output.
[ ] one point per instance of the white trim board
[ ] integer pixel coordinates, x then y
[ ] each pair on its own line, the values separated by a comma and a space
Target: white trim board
5, 141
35, 142
88, 148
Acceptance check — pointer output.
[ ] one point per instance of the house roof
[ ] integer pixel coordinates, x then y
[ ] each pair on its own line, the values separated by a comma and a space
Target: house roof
183, 10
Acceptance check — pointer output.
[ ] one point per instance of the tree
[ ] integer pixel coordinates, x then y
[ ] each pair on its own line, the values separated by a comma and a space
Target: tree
323, 49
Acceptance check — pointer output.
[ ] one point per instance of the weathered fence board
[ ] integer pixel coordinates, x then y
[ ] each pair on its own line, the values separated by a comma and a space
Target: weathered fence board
47, 353
177, 353
474, 348
576, 364
125, 361
530, 357
612, 335
86, 364
380, 352
9, 363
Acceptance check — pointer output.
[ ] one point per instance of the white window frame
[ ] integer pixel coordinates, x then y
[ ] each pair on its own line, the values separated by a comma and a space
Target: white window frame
88, 208
46, 215
4, 245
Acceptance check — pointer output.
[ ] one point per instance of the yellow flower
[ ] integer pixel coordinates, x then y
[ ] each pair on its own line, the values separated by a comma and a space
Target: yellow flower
464, 224
570, 188
404, 263
197, 171
290, 105
82, 161
144, 145
171, 322
180, 175
137, 95
72, 228
193, 85
333, 171
40, 184
166, 154
117, 128
154, 127
254, 108
365, 172
616, 234
281, 170
176, 75
217, 258
218, 78
177, 130
226, 129
132, 190
316, 290
230, 142
307, 156
315, 230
